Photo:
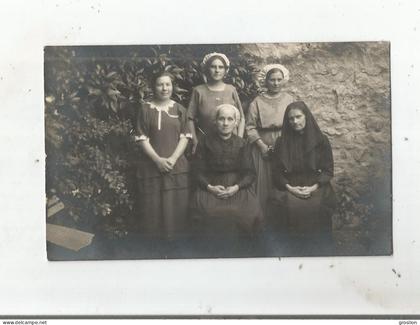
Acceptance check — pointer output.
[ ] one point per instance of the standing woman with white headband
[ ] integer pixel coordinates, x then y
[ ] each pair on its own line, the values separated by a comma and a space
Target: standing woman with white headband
206, 97
264, 124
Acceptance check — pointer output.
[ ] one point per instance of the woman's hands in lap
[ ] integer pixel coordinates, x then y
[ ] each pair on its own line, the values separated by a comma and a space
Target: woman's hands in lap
302, 192
229, 191
223, 192
216, 189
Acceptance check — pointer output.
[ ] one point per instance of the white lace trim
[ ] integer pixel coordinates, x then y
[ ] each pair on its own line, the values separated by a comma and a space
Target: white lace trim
140, 138
161, 109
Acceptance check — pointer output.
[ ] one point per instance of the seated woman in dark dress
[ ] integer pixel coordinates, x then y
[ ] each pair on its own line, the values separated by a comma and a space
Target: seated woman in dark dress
302, 168
225, 173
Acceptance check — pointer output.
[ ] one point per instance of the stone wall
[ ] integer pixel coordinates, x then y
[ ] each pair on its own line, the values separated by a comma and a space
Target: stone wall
347, 87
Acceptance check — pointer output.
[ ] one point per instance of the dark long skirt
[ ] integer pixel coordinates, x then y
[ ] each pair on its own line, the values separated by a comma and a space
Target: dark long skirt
263, 184
304, 216
306, 224
163, 206
240, 212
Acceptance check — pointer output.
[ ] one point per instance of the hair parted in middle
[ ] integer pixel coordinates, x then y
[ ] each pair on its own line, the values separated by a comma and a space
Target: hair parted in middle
236, 112
209, 58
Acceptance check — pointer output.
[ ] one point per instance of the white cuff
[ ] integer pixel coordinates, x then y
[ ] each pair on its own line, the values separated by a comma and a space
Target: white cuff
140, 138
186, 135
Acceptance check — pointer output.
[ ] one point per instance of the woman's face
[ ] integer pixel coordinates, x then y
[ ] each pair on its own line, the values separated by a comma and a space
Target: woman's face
273, 82
297, 119
163, 88
216, 70
226, 121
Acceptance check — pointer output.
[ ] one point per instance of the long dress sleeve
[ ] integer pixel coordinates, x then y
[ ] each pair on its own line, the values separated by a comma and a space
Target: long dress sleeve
142, 124
201, 166
252, 123
193, 106
247, 170
185, 131
238, 104
279, 173
326, 162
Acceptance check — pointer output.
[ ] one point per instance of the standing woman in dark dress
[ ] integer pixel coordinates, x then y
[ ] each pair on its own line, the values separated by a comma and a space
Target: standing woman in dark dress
303, 167
163, 171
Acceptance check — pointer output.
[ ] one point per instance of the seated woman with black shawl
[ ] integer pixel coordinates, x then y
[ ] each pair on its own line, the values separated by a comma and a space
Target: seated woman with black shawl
302, 168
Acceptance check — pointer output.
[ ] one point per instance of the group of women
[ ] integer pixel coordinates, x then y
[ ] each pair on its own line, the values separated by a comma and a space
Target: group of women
246, 172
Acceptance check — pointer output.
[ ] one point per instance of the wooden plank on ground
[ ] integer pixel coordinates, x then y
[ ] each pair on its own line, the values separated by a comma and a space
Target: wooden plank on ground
68, 237
55, 209
52, 200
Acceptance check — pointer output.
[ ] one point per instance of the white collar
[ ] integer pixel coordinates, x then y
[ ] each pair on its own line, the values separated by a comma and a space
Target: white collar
164, 108
161, 109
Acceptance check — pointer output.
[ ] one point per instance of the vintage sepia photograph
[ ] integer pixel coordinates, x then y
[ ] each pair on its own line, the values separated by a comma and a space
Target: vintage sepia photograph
218, 150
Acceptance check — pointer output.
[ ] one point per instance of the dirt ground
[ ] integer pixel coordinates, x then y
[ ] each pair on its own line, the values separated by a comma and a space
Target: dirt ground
134, 246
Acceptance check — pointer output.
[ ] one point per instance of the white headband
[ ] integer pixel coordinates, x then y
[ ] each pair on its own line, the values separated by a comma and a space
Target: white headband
282, 68
210, 55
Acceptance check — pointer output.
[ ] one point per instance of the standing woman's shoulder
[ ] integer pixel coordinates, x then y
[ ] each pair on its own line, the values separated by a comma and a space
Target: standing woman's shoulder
142, 109
256, 99
179, 107
146, 105
288, 97
200, 88
231, 88
197, 93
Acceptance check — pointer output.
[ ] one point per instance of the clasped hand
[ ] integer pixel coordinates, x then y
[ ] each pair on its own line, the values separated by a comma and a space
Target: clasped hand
165, 165
302, 192
264, 149
223, 192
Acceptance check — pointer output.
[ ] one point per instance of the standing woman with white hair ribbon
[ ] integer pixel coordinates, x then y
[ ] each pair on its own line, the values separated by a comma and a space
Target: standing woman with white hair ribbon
206, 97
264, 125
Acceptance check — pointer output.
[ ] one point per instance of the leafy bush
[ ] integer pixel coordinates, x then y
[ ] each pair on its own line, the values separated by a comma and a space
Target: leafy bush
91, 97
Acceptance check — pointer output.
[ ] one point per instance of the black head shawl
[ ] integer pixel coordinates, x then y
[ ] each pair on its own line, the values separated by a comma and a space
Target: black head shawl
296, 150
